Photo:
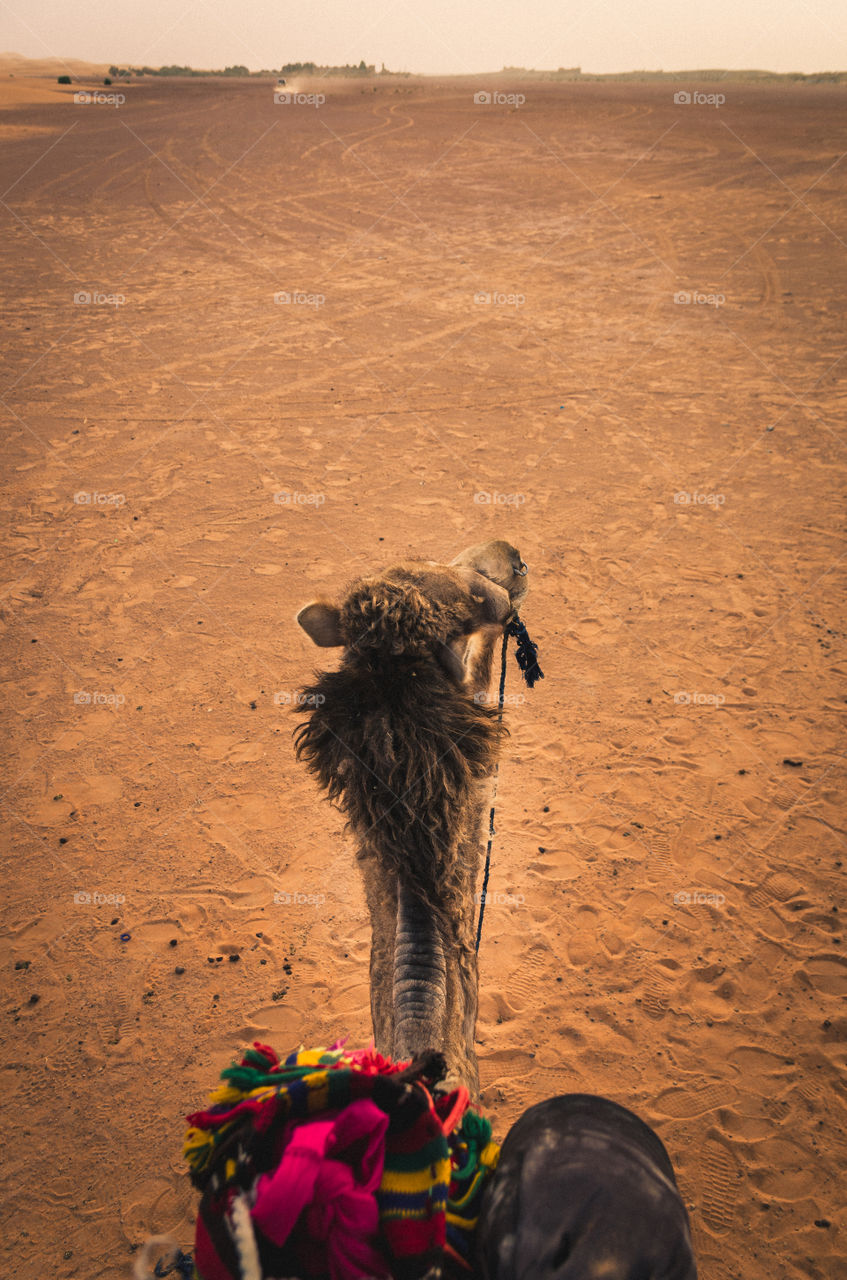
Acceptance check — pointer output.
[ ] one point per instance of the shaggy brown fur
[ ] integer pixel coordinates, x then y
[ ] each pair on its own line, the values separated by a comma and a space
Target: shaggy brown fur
401, 740
400, 747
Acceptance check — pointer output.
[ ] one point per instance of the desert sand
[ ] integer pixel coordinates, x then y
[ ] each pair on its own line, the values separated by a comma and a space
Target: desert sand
189, 461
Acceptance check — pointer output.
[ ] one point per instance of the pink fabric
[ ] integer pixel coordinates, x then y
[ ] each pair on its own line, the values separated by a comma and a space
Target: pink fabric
331, 1168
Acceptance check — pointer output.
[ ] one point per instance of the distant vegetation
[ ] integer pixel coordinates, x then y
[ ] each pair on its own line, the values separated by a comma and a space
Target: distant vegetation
525, 73
289, 69
576, 73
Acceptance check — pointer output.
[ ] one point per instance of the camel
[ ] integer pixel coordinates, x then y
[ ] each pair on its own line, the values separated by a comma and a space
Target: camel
403, 738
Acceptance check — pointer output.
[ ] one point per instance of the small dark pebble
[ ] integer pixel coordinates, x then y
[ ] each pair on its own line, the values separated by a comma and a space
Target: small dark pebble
253, 705
179, 969
822, 1222
22, 964
69, 1253
115, 921
263, 961
63, 839
719, 837
59, 797
795, 764
137, 804
826, 1024
546, 809
211, 959
34, 999
742, 772
234, 957
172, 942
218, 959
541, 849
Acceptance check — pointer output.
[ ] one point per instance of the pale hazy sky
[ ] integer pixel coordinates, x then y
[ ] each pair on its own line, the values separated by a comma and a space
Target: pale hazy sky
441, 36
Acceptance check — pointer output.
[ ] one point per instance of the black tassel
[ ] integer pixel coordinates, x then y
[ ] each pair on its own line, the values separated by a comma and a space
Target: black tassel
183, 1263
526, 653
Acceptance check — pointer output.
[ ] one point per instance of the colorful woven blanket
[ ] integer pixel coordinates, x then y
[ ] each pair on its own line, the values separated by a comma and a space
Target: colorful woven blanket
336, 1164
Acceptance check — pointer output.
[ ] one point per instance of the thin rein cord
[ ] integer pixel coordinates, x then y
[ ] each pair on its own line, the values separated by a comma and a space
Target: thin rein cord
501, 697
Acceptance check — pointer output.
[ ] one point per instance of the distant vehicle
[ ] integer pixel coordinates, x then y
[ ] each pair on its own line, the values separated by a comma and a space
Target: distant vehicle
280, 80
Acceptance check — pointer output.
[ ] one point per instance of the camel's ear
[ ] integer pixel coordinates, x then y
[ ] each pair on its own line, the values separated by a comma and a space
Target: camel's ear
321, 622
495, 605
452, 663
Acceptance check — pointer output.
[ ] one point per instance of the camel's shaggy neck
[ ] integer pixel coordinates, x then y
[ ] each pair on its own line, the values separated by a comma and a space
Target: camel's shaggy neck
401, 748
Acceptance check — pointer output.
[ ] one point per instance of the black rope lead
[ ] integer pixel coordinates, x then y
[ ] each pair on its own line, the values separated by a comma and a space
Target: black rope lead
526, 654
528, 662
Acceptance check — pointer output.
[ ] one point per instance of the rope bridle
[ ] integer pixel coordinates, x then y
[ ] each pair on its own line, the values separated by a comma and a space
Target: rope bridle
528, 663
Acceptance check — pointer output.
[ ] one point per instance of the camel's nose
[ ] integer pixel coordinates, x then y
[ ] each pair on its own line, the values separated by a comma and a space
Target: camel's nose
523, 570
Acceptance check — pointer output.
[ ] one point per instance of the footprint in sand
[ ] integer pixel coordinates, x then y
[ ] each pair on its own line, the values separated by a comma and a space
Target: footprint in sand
826, 972
658, 862
788, 798
582, 948
123, 1019
527, 983
718, 1182
504, 1064
694, 1100
779, 886
658, 989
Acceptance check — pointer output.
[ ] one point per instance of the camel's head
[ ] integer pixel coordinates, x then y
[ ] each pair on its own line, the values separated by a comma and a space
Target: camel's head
501, 563
422, 607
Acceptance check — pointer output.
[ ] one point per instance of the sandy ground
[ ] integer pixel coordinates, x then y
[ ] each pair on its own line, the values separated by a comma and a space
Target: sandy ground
669, 929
